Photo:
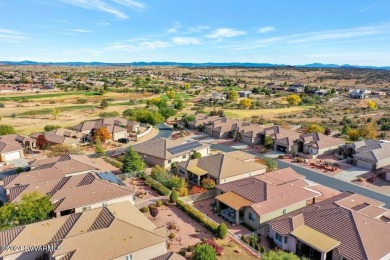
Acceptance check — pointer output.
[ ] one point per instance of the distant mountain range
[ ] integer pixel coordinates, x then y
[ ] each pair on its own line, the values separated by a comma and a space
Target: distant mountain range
189, 64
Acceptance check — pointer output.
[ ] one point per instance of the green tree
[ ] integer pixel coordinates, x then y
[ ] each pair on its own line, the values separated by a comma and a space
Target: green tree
176, 182
144, 116
174, 196
279, 255
345, 129
132, 162
99, 149
272, 163
196, 155
48, 128
222, 231
204, 252
104, 104
315, 128
167, 112
293, 99
55, 113
233, 95
6, 129
31, 208
268, 142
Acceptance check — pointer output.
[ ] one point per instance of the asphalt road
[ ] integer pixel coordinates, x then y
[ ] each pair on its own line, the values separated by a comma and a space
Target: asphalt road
323, 179
164, 131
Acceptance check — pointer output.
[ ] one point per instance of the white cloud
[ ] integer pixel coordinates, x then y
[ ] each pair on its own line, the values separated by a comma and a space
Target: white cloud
266, 29
197, 29
175, 28
131, 3
11, 36
225, 33
80, 30
98, 5
139, 45
185, 40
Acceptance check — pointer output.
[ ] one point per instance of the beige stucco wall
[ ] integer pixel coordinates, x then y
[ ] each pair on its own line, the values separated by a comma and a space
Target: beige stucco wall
365, 164
384, 162
241, 176
255, 225
116, 136
146, 253
130, 198
328, 150
266, 217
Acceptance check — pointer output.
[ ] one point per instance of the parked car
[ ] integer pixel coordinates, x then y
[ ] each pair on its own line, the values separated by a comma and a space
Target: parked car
123, 140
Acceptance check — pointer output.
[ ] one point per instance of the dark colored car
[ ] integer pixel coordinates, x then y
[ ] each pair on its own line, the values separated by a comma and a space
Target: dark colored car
123, 140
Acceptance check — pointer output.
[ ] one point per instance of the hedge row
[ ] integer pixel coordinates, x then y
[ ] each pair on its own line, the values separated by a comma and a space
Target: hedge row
161, 189
197, 215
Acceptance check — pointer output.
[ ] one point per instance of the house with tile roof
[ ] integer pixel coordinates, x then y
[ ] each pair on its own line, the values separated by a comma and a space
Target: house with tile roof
164, 152
61, 136
12, 146
256, 200
75, 193
117, 231
118, 127
222, 128
50, 169
222, 168
283, 139
203, 120
311, 145
346, 226
368, 154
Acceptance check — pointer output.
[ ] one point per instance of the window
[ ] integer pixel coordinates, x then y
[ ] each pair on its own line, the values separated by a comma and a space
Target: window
284, 211
104, 204
285, 240
252, 217
86, 208
184, 156
169, 161
129, 257
182, 171
278, 237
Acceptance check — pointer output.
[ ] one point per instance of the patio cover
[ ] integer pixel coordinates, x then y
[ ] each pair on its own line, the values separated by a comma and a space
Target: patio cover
233, 200
197, 171
315, 239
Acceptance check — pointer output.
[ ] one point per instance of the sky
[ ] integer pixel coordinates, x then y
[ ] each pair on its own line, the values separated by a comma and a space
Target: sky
279, 31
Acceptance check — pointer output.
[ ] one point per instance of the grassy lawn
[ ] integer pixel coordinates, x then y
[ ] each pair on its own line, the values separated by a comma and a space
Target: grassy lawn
47, 111
47, 95
231, 88
240, 114
228, 251
178, 95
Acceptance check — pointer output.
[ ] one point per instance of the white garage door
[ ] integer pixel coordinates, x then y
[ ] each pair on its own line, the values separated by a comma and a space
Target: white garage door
11, 156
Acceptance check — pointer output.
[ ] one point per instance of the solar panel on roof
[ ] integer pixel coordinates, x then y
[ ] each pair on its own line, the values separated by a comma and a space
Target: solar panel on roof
109, 176
184, 147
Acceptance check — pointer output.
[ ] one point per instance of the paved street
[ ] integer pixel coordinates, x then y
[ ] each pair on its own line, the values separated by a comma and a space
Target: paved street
322, 179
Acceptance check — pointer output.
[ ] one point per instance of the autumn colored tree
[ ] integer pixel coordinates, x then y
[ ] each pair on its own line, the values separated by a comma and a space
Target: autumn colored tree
328, 131
103, 134
353, 134
371, 105
233, 95
368, 131
315, 128
42, 142
245, 103
171, 94
293, 99
208, 183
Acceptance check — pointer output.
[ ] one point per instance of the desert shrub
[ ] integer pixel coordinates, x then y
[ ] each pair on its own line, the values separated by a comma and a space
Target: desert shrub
222, 231
182, 253
174, 196
196, 189
144, 209
161, 189
204, 251
158, 203
208, 183
211, 242
81, 100
190, 248
172, 236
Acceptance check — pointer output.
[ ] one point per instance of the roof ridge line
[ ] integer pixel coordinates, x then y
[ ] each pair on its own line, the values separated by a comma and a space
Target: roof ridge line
359, 237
